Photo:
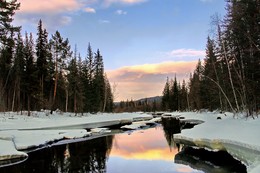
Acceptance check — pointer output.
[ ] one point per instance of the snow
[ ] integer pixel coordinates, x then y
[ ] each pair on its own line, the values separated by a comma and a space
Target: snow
8, 150
140, 124
20, 132
100, 130
238, 136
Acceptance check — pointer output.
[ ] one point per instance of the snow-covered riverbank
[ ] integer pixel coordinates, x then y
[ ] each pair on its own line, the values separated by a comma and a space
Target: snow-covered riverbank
20, 132
238, 136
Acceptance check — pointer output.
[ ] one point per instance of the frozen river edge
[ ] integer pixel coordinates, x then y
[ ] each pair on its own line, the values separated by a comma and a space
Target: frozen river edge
237, 136
20, 132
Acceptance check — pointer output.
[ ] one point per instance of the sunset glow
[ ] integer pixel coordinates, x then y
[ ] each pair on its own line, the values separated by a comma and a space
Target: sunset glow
142, 41
135, 82
143, 147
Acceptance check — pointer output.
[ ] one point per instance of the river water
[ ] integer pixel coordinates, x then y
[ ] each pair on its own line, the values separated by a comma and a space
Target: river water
149, 150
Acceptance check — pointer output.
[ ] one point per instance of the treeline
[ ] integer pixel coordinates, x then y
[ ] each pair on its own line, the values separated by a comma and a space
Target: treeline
229, 78
46, 73
144, 105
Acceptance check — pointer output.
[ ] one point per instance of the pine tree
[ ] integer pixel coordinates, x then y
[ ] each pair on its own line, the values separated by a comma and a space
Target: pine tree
174, 96
61, 52
109, 98
88, 71
184, 102
7, 43
99, 82
30, 88
166, 96
75, 84
195, 87
42, 55
211, 97
241, 34
7, 12
18, 73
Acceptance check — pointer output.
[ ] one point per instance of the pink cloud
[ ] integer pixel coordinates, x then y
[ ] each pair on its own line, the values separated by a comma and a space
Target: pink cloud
90, 10
186, 53
135, 82
48, 6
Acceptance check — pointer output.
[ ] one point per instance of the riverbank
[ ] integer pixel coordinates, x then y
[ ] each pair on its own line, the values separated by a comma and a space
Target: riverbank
20, 132
238, 136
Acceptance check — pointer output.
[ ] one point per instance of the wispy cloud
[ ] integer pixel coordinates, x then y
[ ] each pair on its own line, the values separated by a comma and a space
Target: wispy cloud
60, 13
206, 0
186, 53
108, 3
90, 10
147, 80
120, 12
104, 22
54, 13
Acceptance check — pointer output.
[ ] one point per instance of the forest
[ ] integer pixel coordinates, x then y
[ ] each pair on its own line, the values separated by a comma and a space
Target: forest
46, 73
229, 76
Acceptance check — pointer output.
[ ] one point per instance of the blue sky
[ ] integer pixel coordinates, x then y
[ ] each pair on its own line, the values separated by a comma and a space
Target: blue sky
129, 33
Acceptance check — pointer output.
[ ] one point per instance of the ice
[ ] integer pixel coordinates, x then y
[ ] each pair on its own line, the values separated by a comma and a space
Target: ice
220, 131
8, 150
140, 124
20, 132
238, 136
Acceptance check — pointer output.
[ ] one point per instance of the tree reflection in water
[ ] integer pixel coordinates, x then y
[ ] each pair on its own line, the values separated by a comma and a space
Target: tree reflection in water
87, 156
171, 126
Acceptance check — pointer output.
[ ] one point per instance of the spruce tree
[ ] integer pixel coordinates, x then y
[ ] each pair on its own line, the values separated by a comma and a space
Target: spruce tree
18, 74
211, 96
166, 96
195, 87
42, 55
30, 88
99, 82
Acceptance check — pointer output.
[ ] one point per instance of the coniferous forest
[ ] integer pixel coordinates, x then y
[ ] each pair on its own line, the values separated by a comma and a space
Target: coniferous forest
229, 76
45, 73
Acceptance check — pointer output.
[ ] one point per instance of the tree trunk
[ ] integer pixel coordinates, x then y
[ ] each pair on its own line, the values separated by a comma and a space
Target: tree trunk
67, 100
75, 103
222, 93
13, 100
29, 106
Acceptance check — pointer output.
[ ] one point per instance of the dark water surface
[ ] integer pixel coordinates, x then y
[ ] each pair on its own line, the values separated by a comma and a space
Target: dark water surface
139, 151
143, 151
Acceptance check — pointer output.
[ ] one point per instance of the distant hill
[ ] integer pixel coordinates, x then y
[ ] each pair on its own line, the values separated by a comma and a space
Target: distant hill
151, 99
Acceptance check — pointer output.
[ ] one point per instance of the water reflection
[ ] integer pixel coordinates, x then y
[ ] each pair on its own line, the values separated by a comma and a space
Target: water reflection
88, 156
209, 161
138, 151
171, 127
144, 151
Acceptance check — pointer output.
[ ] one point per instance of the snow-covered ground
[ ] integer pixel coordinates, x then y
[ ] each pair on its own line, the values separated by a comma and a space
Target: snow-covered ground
20, 132
238, 136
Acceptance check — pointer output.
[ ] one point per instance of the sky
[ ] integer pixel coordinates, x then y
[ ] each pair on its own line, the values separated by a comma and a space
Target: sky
142, 41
